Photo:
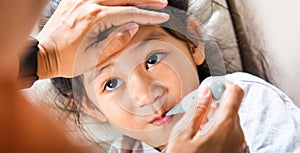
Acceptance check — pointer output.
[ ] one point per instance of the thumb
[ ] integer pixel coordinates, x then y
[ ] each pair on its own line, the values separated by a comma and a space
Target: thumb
201, 109
195, 114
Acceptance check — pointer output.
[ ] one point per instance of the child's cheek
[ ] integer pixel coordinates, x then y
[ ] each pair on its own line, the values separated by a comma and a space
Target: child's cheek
167, 76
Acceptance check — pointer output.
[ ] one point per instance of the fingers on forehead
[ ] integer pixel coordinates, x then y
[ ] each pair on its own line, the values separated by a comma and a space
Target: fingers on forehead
141, 3
120, 15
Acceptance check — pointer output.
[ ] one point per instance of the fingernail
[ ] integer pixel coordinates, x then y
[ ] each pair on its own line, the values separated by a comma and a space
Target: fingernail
163, 1
165, 15
203, 90
133, 31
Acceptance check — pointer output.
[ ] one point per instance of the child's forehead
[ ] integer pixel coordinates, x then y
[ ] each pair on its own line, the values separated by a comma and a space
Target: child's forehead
144, 35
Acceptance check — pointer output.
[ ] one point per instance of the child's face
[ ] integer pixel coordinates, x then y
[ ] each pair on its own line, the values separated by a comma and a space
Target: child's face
135, 87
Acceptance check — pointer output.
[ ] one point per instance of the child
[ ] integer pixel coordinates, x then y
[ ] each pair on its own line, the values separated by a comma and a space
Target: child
134, 88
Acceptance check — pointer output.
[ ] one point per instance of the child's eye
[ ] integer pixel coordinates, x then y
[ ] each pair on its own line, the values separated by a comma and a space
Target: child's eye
113, 84
153, 59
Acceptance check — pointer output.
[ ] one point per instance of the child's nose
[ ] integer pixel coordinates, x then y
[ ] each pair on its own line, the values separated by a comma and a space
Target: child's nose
143, 88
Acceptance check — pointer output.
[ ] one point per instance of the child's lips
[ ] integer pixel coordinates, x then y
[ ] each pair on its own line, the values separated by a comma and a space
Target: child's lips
161, 120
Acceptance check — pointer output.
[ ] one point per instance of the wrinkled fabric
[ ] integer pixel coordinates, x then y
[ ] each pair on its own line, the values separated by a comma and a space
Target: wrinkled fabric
270, 120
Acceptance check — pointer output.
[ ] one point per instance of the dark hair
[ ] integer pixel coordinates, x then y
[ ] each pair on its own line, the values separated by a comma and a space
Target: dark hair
72, 88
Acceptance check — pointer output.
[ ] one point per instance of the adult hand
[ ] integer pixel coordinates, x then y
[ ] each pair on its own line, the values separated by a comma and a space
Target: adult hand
77, 33
225, 136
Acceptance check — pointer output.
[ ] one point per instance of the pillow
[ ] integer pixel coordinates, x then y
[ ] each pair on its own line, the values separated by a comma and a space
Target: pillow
217, 27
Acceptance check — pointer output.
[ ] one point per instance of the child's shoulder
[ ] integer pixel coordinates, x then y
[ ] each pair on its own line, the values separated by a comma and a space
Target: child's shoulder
251, 83
257, 89
245, 77
265, 113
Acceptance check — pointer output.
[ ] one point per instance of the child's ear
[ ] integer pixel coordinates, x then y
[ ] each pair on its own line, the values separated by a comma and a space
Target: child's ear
197, 53
197, 47
90, 109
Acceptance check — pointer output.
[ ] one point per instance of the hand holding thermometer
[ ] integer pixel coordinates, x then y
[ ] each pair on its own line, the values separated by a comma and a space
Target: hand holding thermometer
217, 88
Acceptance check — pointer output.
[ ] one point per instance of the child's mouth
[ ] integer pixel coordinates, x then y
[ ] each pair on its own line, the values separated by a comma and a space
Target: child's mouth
161, 120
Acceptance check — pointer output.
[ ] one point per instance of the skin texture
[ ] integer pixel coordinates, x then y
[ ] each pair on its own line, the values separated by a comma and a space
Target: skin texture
145, 93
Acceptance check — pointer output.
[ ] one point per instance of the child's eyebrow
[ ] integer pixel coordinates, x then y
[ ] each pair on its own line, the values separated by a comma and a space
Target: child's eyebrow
99, 71
154, 35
